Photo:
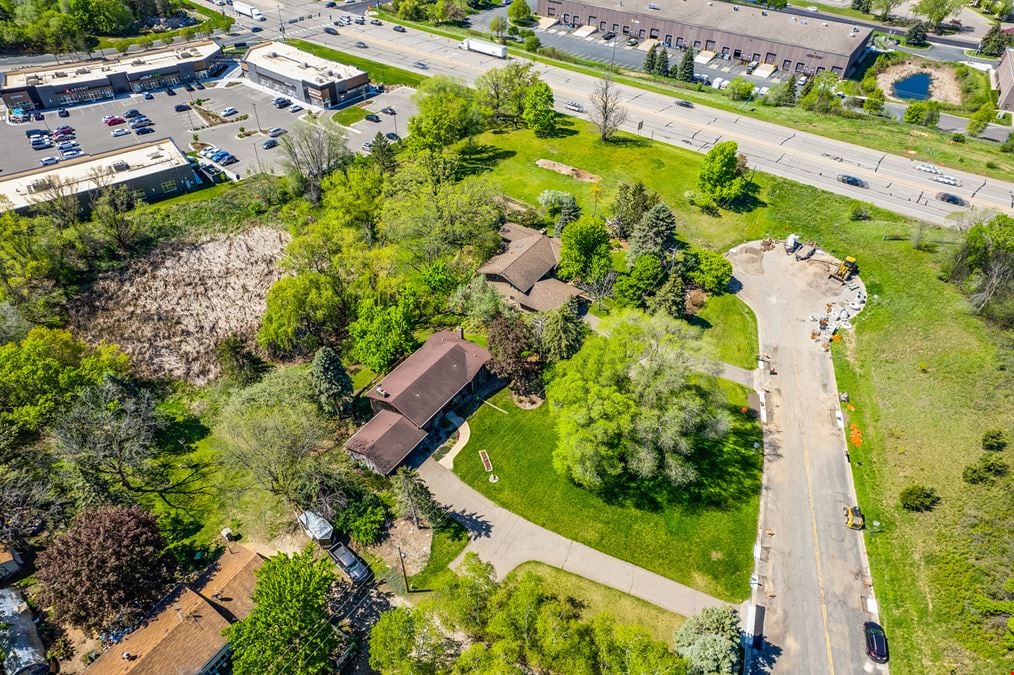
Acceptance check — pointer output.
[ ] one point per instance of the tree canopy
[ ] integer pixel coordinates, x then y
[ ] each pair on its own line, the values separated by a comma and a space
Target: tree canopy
720, 175
584, 252
636, 403
303, 312
382, 334
448, 111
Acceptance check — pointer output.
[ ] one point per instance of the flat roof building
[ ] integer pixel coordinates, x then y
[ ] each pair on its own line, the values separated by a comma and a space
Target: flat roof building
792, 43
153, 171
38, 88
303, 76
1005, 80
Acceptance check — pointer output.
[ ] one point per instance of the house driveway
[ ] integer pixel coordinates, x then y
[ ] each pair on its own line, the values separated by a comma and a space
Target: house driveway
506, 540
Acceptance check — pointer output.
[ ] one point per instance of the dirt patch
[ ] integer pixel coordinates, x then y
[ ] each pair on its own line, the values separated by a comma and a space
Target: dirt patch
579, 174
527, 402
413, 542
169, 310
944, 86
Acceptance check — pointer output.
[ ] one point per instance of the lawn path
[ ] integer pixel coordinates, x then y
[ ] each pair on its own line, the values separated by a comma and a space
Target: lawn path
506, 540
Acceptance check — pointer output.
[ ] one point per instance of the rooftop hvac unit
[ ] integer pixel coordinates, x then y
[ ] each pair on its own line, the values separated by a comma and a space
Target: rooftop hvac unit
652, 5
59, 73
137, 62
33, 79
273, 55
185, 55
82, 71
120, 165
39, 185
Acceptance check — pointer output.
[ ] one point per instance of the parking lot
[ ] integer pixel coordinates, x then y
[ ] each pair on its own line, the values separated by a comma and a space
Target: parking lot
93, 136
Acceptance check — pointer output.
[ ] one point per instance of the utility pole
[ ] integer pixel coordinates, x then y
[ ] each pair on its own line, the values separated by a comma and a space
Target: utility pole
404, 576
256, 117
281, 26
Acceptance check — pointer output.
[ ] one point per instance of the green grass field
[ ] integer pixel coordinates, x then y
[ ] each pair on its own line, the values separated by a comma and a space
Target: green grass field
379, 73
730, 328
350, 115
699, 546
449, 540
596, 599
917, 425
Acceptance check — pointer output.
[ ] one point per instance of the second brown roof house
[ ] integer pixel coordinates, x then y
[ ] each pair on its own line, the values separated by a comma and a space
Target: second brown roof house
523, 272
413, 397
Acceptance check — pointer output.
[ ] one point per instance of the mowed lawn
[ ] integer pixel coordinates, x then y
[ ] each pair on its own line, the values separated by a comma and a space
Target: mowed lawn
925, 376
595, 599
730, 329
708, 548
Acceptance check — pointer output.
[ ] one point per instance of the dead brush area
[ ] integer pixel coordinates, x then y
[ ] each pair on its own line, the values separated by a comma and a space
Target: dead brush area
169, 309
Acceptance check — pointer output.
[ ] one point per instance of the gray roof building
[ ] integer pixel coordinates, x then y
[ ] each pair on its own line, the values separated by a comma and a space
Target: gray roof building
19, 637
522, 272
1005, 80
749, 33
302, 75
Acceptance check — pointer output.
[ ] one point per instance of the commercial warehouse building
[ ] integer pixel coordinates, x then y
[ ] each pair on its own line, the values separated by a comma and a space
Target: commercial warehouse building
1005, 80
789, 42
153, 171
39, 88
303, 76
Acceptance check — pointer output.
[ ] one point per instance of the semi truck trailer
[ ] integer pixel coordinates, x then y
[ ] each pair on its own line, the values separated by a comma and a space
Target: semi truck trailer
488, 48
248, 10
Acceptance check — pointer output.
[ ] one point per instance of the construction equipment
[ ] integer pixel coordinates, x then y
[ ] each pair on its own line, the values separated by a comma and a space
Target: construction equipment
806, 252
845, 270
854, 518
791, 244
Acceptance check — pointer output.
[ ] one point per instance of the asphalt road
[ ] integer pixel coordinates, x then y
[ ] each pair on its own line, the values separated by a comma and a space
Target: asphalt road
892, 181
812, 575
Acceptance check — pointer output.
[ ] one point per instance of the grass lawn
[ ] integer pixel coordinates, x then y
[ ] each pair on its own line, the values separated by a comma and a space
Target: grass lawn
731, 329
350, 115
699, 546
926, 378
596, 599
379, 73
449, 540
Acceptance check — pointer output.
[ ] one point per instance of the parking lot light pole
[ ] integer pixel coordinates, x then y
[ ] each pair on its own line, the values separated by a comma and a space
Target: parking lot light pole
256, 117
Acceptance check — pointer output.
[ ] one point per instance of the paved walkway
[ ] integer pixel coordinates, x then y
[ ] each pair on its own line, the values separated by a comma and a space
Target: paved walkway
739, 375
506, 540
464, 433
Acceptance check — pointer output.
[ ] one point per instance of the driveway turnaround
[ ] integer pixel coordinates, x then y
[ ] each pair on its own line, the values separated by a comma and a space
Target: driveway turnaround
506, 540
812, 574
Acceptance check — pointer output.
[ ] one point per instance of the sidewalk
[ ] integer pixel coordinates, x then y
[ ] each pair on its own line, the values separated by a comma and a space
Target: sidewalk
506, 540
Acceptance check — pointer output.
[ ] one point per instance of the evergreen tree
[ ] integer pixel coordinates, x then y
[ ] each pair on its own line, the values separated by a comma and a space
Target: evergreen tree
650, 58
413, 498
569, 212
382, 154
654, 235
685, 71
670, 298
331, 381
562, 332
632, 290
995, 40
916, 35
661, 62
633, 200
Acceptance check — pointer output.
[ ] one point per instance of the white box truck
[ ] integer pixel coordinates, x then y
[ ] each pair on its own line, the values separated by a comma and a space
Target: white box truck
488, 48
248, 10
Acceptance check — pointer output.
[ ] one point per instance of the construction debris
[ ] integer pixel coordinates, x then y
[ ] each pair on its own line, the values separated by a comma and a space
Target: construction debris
768, 245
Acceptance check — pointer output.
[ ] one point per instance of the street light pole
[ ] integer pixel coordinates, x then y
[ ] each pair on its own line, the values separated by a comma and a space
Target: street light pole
281, 26
256, 117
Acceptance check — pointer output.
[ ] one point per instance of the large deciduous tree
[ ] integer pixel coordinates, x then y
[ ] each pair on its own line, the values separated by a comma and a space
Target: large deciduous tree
28, 503
448, 111
107, 570
382, 334
986, 261
519, 11
502, 93
310, 152
539, 115
607, 111
584, 253
633, 289
936, 11
515, 353
720, 176
637, 404
303, 312
478, 302
289, 629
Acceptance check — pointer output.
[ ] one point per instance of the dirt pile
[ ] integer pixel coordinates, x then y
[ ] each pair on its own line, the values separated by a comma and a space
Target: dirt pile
170, 309
579, 174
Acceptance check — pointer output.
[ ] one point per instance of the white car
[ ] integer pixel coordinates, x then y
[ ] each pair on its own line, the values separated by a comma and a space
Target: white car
295, 107
928, 168
228, 112
717, 82
116, 133
67, 145
47, 161
71, 154
947, 180
574, 105
275, 132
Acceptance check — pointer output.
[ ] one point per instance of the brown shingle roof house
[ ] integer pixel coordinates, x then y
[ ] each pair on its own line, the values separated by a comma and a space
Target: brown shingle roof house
183, 636
413, 396
522, 273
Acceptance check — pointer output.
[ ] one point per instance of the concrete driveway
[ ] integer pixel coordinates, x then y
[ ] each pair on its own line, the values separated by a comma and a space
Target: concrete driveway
506, 540
812, 573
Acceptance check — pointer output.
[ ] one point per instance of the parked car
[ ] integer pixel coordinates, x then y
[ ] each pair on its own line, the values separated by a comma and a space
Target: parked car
295, 107
144, 130
330, 30
228, 112
63, 112
208, 151
181, 107
188, 86
47, 161
393, 137
608, 35
138, 122
389, 111
268, 144
752, 66
372, 118
632, 42
148, 96
684, 104
255, 29
72, 153
349, 563
198, 86
130, 114
948, 198
219, 155
45, 145
376, 22
275, 132
331, 4
280, 102
399, 29
31, 133
38, 117
67, 145
367, 146
851, 180
231, 159
876, 642
116, 133
113, 121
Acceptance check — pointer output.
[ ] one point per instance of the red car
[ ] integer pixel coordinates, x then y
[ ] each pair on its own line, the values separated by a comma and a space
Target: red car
113, 121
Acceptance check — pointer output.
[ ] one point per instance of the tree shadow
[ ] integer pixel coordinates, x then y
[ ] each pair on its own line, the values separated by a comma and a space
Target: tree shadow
698, 322
476, 159
476, 524
559, 131
764, 658
749, 201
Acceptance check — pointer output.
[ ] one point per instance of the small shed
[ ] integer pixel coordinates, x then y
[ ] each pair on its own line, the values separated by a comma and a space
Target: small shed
19, 637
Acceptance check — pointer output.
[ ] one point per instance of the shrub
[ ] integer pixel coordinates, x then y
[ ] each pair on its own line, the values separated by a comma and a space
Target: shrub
958, 138
532, 43
1008, 145
985, 470
919, 498
859, 212
995, 440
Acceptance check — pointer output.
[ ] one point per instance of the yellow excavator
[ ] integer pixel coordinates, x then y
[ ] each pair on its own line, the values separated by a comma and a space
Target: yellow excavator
845, 269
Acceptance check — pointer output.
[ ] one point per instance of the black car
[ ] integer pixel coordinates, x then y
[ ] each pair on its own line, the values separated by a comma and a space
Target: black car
131, 114
684, 104
36, 132
399, 29
349, 563
393, 137
255, 29
388, 111
373, 118
270, 143
330, 30
63, 112
170, 91
280, 102
851, 180
140, 131
330, 3
38, 117
188, 87
148, 96
181, 107
948, 198
876, 642
609, 35
198, 85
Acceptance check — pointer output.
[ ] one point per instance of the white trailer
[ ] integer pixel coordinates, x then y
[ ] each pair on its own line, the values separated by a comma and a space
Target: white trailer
488, 48
249, 10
